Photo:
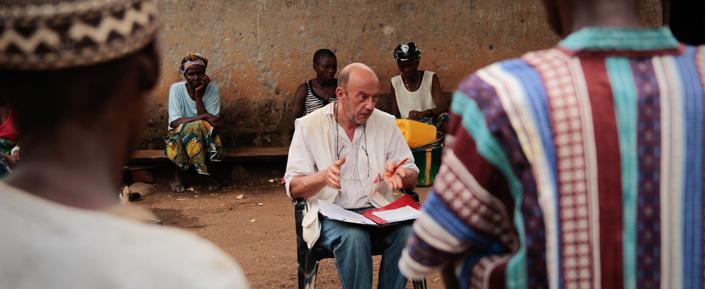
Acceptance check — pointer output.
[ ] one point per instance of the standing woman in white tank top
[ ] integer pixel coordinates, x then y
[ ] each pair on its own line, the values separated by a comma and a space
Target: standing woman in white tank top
417, 93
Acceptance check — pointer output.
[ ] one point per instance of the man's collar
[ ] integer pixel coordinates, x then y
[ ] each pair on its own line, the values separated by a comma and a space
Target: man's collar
329, 108
620, 39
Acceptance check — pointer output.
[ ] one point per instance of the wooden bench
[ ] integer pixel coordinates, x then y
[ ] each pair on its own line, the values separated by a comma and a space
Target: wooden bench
243, 153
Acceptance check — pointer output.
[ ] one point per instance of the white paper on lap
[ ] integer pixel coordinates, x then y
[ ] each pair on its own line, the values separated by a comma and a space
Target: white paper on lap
337, 213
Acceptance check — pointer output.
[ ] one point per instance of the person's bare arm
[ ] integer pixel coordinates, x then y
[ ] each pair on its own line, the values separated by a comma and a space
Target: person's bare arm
200, 107
395, 106
410, 179
303, 187
297, 110
200, 91
212, 119
183, 120
441, 100
307, 186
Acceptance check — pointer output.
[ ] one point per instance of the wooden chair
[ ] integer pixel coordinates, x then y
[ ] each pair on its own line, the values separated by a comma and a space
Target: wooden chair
307, 260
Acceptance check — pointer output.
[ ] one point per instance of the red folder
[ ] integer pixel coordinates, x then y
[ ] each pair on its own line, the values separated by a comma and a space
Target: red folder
404, 201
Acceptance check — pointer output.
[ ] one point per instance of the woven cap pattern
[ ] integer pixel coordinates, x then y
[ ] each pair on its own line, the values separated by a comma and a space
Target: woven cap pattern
73, 33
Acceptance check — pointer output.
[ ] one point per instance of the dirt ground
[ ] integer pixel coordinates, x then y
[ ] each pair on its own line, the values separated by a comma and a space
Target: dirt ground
257, 229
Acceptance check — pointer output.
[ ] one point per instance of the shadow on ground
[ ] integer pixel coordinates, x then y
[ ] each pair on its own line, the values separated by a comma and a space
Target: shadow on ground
252, 221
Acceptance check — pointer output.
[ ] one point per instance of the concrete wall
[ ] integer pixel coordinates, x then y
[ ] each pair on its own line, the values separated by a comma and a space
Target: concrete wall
261, 50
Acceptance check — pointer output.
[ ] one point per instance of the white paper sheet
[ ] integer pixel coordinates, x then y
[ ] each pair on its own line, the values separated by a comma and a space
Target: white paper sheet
398, 215
335, 212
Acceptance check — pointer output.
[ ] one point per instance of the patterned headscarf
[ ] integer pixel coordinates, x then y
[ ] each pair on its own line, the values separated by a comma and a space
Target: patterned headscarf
192, 59
407, 51
58, 34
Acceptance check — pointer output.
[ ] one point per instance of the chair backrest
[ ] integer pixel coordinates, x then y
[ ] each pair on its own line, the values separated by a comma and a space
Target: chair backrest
302, 250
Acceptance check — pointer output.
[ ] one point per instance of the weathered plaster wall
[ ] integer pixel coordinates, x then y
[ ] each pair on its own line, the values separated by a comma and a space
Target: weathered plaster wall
261, 50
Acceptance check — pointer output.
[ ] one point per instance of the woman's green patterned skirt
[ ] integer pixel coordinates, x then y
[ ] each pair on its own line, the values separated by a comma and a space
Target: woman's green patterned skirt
192, 144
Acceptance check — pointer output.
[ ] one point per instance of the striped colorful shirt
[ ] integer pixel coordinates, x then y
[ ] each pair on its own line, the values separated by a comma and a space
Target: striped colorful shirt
579, 166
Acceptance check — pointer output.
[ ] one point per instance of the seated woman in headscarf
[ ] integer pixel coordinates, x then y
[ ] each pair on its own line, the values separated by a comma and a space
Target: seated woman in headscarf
417, 93
194, 106
317, 92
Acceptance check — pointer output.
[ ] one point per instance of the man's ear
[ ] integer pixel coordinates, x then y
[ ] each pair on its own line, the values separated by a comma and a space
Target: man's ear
148, 63
339, 92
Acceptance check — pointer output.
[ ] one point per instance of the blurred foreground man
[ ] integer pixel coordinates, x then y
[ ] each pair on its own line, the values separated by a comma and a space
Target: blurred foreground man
76, 75
579, 166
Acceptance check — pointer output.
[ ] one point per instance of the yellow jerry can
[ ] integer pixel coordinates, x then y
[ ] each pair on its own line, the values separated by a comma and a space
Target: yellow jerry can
416, 133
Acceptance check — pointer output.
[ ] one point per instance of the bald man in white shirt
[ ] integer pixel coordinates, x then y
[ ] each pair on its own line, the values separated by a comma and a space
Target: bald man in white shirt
337, 154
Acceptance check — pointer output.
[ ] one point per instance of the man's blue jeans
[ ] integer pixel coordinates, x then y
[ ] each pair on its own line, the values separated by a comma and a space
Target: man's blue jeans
352, 247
